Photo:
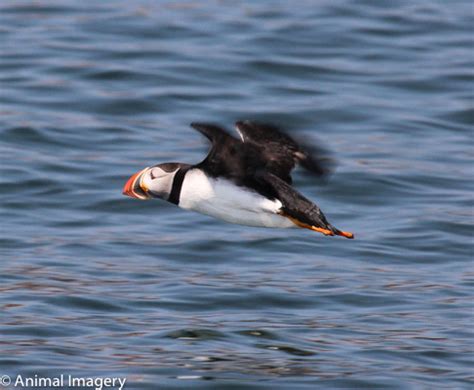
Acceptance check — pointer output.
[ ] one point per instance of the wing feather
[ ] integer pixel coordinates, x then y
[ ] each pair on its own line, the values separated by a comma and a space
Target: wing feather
281, 152
228, 156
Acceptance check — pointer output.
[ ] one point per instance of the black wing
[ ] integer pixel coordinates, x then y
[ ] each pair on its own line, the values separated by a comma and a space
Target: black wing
227, 154
281, 152
233, 159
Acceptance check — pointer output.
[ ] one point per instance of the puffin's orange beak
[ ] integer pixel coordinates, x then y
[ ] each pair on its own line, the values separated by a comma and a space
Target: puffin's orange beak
134, 188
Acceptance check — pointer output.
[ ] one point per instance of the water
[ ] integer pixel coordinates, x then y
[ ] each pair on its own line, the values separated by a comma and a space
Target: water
95, 284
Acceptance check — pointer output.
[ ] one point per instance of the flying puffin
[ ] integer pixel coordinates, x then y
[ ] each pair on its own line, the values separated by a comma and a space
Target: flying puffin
244, 181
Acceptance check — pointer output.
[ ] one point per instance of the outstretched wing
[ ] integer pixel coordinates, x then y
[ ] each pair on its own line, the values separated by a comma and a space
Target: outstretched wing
222, 159
281, 152
233, 159
228, 156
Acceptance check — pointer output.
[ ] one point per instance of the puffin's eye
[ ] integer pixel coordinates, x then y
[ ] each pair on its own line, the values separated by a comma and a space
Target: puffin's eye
155, 173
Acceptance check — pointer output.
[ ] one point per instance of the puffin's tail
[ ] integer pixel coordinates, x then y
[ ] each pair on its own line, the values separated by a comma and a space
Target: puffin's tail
329, 230
318, 222
321, 226
301, 211
338, 232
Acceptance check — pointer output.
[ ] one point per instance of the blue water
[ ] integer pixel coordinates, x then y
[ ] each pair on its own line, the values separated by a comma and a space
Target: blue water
95, 284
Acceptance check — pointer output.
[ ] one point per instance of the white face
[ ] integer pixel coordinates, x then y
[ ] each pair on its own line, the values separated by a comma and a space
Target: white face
157, 181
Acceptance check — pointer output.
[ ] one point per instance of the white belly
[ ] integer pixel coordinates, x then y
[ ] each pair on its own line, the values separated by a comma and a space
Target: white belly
222, 199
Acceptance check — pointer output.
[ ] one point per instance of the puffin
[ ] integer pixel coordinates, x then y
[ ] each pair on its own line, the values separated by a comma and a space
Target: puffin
245, 180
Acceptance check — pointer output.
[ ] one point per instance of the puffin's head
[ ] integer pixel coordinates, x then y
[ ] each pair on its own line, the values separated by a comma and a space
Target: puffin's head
152, 182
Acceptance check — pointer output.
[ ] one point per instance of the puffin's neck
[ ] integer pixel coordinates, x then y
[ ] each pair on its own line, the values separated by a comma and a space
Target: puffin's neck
178, 184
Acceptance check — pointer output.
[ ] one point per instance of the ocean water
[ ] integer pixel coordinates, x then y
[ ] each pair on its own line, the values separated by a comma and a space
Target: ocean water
94, 284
